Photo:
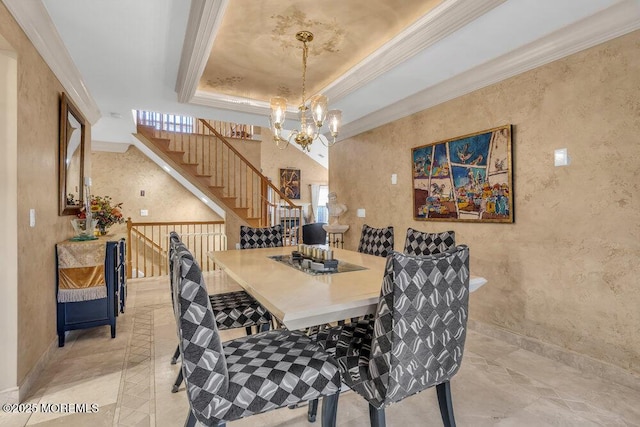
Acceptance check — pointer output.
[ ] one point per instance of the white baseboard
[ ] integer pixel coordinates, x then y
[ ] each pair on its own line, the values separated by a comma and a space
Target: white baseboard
10, 395
570, 358
36, 371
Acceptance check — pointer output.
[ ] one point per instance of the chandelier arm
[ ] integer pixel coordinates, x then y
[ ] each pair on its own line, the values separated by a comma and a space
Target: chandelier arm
329, 144
278, 140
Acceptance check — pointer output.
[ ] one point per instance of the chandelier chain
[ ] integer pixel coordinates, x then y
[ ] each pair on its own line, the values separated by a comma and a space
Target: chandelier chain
305, 53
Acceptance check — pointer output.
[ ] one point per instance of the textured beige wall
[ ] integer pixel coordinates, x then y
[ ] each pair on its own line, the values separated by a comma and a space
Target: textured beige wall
8, 220
38, 109
274, 159
123, 175
566, 272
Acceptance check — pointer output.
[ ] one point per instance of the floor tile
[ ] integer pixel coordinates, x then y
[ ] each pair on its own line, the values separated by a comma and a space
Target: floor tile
130, 379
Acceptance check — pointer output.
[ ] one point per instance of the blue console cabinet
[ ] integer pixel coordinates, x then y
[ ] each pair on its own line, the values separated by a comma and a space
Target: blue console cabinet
96, 312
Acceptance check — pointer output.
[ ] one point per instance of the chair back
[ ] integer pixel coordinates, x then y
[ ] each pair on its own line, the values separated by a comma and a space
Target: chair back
204, 365
314, 234
376, 241
266, 237
419, 243
420, 324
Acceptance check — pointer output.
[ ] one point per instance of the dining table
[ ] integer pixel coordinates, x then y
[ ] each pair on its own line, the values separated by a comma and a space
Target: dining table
300, 298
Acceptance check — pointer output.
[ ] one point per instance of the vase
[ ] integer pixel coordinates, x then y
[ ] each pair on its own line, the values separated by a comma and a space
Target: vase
81, 227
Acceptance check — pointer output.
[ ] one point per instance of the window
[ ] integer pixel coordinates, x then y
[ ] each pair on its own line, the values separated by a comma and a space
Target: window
323, 199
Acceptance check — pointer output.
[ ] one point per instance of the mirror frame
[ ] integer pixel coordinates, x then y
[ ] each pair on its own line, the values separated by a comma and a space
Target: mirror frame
67, 108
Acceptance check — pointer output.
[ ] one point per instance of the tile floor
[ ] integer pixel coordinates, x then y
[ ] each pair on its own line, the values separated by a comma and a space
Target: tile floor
129, 380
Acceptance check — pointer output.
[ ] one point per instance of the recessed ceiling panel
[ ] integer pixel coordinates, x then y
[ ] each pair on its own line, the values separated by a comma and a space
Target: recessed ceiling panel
256, 55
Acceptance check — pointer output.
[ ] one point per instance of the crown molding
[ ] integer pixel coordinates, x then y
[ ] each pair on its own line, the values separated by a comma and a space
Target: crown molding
33, 18
615, 21
205, 18
443, 20
226, 102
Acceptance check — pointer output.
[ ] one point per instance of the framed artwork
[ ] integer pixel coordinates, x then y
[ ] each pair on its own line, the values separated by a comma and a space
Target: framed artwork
467, 178
290, 183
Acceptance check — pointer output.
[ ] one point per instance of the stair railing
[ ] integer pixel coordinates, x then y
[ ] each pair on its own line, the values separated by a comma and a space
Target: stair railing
148, 244
232, 179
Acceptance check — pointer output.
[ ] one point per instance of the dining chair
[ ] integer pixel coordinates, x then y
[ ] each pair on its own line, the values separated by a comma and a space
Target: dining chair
416, 338
376, 241
422, 243
244, 376
261, 237
314, 234
231, 310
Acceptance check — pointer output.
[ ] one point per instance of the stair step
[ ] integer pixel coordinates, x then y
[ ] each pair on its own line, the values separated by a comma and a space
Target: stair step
180, 157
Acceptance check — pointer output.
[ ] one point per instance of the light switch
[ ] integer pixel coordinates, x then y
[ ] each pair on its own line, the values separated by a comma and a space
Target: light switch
360, 213
394, 178
561, 157
144, 212
32, 218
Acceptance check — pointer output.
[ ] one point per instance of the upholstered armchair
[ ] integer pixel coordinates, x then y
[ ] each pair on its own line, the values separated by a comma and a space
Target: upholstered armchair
245, 376
231, 310
376, 241
265, 237
421, 243
415, 340
314, 234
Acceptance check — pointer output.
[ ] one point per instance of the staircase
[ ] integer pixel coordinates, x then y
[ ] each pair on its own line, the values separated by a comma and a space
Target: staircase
209, 161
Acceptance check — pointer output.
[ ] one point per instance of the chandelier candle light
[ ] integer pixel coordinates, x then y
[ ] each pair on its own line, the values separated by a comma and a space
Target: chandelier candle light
311, 118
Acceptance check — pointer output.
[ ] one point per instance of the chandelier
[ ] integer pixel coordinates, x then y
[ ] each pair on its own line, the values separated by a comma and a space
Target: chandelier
312, 116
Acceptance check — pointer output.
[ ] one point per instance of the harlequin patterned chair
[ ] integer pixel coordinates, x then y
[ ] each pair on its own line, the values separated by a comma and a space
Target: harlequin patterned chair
266, 237
416, 339
376, 241
419, 243
249, 375
232, 310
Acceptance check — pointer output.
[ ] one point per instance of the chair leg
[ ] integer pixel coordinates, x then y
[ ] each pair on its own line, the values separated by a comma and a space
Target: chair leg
264, 327
376, 417
330, 409
176, 385
176, 354
313, 410
248, 329
446, 404
191, 420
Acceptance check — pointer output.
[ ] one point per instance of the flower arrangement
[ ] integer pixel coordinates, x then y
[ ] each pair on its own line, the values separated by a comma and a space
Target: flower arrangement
104, 211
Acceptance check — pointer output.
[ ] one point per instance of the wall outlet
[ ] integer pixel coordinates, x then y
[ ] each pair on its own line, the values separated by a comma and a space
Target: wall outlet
361, 213
144, 212
32, 217
394, 178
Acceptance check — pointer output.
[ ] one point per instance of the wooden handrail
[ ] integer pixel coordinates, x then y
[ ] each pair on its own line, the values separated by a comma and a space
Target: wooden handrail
208, 159
145, 239
203, 235
263, 178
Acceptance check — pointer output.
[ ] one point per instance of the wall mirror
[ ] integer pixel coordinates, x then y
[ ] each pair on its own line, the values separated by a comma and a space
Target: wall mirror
71, 157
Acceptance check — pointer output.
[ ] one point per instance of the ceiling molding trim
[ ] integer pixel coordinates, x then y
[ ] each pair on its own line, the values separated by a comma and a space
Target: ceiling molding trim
615, 21
440, 22
34, 19
205, 18
225, 102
